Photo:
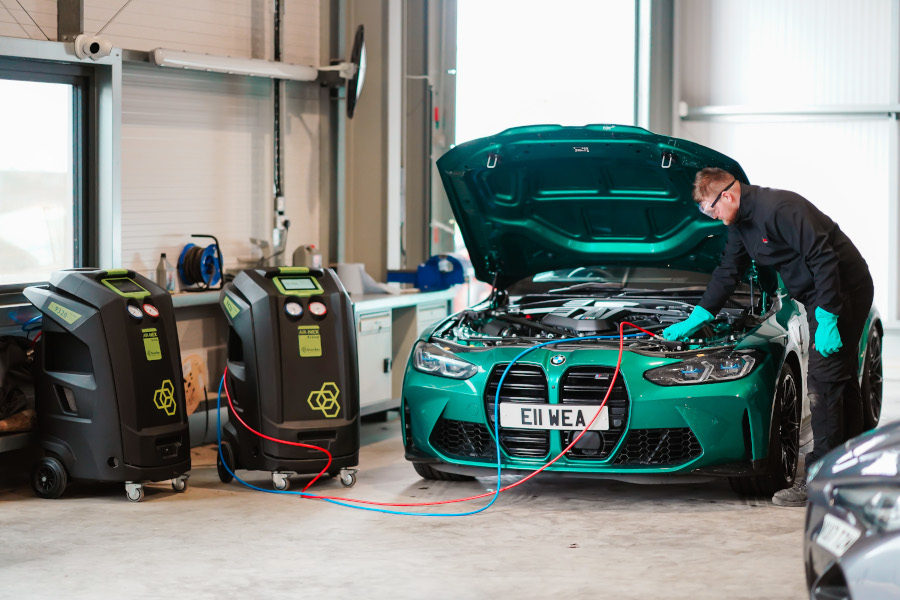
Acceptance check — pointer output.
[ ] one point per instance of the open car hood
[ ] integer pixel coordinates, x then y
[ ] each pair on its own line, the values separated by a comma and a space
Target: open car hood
546, 197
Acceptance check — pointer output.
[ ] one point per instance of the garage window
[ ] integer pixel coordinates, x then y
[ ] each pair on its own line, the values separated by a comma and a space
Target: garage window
42, 183
530, 62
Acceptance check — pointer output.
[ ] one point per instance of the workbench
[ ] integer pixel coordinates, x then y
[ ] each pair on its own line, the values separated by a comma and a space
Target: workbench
387, 326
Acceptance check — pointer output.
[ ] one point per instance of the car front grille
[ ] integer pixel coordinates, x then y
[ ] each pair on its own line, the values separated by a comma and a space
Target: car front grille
659, 447
588, 386
524, 384
462, 439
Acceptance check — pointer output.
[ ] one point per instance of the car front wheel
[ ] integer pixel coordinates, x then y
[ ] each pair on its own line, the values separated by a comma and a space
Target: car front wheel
784, 442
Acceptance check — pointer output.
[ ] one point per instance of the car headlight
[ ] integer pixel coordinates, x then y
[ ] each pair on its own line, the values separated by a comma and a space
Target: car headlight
713, 367
434, 360
876, 507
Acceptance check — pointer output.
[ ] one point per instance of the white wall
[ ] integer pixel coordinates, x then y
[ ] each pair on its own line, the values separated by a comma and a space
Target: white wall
15, 22
770, 54
197, 148
196, 158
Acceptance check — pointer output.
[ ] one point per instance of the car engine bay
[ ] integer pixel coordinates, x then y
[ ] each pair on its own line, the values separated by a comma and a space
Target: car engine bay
539, 318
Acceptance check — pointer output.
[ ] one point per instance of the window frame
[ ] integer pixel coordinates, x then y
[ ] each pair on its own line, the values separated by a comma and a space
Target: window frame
99, 173
81, 78
100, 244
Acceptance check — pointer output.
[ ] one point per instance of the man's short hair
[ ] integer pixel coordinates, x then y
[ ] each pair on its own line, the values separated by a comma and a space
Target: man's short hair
710, 181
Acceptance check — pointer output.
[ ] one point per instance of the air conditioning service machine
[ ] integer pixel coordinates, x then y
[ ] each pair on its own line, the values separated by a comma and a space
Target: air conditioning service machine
291, 375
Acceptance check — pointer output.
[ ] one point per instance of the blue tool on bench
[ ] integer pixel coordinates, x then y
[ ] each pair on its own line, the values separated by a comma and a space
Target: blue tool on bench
437, 273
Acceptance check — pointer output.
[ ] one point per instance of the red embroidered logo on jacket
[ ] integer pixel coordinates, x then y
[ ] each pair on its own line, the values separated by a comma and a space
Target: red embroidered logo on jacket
765, 240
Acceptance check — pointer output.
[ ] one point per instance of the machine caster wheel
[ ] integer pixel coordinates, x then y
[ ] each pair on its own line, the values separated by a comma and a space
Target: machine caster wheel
280, 481
228, 453
179, 484
348, 477
134, 491
48, 478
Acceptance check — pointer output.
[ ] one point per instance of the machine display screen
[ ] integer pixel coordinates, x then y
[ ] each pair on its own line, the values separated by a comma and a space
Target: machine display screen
125, 285
299, 283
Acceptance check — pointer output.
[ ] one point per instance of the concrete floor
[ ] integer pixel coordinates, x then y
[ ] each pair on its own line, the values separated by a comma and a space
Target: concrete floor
549, 538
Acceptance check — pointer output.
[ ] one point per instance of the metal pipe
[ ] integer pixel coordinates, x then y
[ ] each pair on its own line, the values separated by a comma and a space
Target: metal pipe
706, 113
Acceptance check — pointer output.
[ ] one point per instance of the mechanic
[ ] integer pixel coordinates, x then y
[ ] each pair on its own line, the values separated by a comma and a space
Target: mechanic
821, 268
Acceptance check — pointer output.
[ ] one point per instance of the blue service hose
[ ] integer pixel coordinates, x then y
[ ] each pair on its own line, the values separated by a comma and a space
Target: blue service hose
494, 496
27, 329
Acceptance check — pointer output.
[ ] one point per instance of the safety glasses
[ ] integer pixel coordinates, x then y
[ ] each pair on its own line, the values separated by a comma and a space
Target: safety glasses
708, 210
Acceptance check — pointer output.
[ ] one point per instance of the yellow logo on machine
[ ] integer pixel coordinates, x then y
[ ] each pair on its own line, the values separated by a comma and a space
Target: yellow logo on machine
325, 400
164, 397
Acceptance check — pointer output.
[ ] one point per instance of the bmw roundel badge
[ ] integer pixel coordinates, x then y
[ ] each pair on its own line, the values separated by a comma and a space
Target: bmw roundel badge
557, 360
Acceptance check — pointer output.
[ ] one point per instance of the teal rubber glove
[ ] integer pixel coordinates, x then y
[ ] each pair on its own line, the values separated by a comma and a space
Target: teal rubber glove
679, 331
828, 339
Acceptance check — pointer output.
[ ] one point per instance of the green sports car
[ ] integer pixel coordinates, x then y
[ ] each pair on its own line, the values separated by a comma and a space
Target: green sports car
580, 229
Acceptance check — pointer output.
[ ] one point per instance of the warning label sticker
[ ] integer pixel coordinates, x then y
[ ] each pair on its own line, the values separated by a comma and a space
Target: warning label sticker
310, 340
151, 344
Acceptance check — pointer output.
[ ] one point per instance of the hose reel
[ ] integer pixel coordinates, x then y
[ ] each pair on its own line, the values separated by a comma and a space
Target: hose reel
201, 266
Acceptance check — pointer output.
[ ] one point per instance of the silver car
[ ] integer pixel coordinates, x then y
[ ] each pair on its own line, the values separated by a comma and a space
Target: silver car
852, 542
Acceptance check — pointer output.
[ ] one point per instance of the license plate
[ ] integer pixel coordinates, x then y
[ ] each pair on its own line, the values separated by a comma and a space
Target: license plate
552, 416
837, 535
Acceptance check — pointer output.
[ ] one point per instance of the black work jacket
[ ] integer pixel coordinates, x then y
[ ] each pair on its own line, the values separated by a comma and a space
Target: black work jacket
783, 230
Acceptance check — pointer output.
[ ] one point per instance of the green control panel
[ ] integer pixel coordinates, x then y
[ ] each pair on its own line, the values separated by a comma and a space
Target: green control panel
303, 285
126, 286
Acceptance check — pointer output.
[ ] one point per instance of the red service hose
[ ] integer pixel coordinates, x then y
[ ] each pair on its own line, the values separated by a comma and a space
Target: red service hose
439, 502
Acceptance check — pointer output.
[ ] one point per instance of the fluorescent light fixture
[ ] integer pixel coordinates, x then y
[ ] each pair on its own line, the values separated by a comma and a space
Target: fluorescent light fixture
255, 67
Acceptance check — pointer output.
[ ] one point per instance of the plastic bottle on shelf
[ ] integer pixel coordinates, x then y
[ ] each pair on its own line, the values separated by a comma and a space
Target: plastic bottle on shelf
165, 274
307, 256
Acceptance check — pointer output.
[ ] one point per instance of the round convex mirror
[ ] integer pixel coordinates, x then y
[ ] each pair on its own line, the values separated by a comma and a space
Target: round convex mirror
358, 58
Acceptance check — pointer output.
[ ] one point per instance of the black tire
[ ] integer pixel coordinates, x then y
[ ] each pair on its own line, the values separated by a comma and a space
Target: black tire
784, 442
49, 478
426, 471
228, 453
872, 381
